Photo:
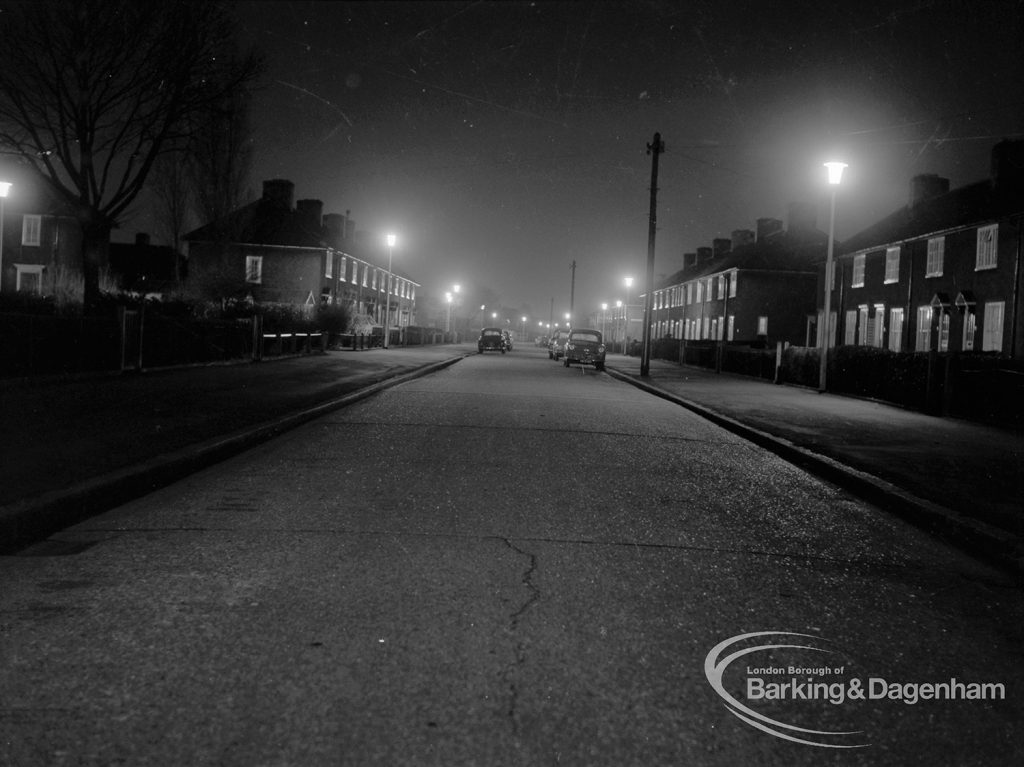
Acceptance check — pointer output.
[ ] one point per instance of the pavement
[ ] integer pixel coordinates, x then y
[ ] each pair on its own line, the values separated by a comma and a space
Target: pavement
72, 448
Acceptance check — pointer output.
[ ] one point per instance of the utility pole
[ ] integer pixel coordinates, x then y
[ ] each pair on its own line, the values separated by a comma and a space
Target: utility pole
654, 149
572, 293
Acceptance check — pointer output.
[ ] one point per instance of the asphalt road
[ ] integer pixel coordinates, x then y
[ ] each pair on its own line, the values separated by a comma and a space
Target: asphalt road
468, 569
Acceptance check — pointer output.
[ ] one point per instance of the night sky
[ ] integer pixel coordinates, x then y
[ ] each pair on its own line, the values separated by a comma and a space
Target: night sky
502, 141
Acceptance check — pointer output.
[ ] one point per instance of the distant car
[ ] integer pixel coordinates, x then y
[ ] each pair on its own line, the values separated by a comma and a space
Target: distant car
585, 346
556, 349
491, 340
508, 339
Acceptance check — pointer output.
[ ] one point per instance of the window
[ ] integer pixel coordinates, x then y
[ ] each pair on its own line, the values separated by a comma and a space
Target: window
704, 330
850, 331
732, 284
732, 326
762, 325
254, 269
936, 255
376, 275
329, 265
700, 291
721, 329
862, 323
892, 265
895, 330
31, 228
992, 327
858, 272
987, 241
879, 328
970, 326
924, 329
721, 286
28, 278
343, 269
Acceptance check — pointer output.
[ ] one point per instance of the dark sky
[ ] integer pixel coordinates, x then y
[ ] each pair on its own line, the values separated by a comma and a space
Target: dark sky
502, 140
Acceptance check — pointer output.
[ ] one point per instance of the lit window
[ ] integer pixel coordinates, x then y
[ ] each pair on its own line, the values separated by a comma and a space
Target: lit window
864, 336
988, 237
732, 326
254, 269
329, 265
732, 285
850, 331
700, 291
879, 326
895, 330
943, 331
892, 265
31, 229
924, 329
762, 325
721, 286
343, 269
936, 255
28, 278
992, 327
858, 272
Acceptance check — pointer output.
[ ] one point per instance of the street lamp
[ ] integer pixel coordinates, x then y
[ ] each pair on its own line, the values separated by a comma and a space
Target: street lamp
5, 187
604, 315
835, 175
615, 324
523, 329
625, 330
448, 322
387, 304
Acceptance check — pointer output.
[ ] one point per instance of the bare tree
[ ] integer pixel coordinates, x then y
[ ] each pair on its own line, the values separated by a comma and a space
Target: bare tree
92, 92
171, 186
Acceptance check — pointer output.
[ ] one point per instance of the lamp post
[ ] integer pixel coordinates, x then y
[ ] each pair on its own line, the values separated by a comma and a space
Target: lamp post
387, 302
523, 329
835, 175
604, 317
625, 329
615, 324
448, 321
5, 187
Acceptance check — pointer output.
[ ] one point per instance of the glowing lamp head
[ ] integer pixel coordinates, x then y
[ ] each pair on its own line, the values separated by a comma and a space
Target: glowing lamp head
629, 282
391, 240
835, 172
5, 187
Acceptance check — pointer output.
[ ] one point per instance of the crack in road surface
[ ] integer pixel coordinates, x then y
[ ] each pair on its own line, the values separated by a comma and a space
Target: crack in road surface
520, 648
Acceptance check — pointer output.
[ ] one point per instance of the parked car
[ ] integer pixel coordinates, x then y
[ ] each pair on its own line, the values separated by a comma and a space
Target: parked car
491, 340
556, 349
585, 346
508, 339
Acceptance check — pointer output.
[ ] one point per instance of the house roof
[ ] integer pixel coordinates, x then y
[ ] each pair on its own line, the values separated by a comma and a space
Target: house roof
960, 208
781, 252
263, 222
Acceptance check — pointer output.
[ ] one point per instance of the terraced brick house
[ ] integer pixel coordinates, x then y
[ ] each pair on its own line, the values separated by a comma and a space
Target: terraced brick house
42, 240
277, 252
943, 273
755, 288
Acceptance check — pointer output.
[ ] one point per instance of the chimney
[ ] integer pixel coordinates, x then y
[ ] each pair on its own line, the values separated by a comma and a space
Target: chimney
310, 213
802, 217
280, 192
1008, 164
741, 237
689, 260
767, 227
925, 186
334, 227
704, 255
720, 246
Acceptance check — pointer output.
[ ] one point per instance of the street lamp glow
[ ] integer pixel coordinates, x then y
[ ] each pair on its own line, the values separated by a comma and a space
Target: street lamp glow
391, 240
456, 288
625, 317
835, 174
5, 188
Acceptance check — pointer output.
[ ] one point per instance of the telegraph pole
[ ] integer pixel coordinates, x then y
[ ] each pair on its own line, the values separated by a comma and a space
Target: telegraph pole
572, 293
654, 149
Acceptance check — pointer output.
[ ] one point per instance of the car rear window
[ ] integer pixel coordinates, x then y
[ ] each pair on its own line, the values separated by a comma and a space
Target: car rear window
492, 332
586, 337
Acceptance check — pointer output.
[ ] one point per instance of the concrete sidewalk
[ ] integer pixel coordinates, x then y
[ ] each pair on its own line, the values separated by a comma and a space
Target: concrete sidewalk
961, 480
